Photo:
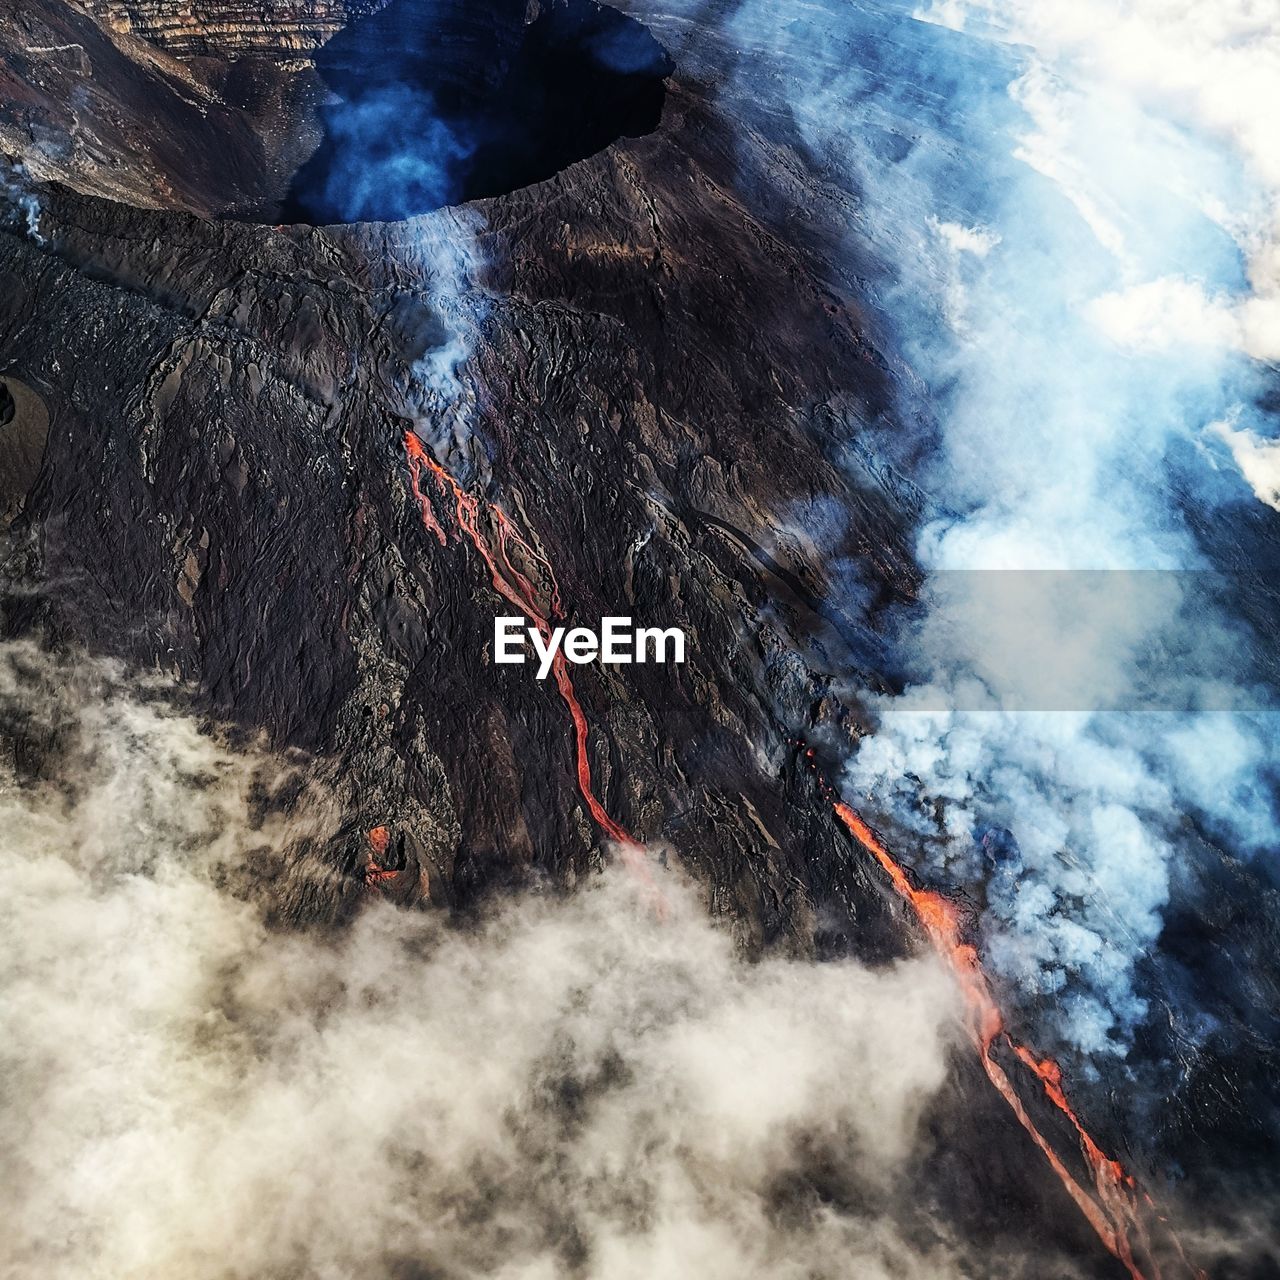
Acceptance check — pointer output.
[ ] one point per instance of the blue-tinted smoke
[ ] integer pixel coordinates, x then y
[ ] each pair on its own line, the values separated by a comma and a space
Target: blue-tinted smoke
626, 48
1075, 267
410, 159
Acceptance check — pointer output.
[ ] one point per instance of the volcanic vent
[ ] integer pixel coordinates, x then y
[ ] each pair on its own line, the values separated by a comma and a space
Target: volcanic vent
433, 104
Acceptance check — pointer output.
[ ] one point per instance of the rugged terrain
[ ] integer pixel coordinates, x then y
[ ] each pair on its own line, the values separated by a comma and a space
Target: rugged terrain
212, 381
671, 382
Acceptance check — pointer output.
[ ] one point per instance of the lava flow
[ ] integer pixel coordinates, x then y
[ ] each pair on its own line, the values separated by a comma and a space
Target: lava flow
1114, 1214
375, 873
514, 587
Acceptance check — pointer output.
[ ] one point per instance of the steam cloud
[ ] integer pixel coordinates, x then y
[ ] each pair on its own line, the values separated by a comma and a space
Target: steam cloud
390, 154
1076, 211
569, 1087
15, 191
442, 401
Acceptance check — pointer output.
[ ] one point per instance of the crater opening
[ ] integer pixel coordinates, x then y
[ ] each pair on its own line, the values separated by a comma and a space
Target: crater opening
434, 102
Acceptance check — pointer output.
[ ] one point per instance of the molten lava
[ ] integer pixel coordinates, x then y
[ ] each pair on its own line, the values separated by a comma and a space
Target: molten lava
375, 873
1114, 1214
514, 586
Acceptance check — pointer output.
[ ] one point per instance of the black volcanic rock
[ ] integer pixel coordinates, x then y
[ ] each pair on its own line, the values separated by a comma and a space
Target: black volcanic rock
652, 437
675, 376
24, 429
111, 115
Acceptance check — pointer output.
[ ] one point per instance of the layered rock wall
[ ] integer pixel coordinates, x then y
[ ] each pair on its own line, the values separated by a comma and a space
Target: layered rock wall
232, 28
112, 115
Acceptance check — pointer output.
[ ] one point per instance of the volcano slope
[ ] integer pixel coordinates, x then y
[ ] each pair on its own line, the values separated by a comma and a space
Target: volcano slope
659, 378
651, 378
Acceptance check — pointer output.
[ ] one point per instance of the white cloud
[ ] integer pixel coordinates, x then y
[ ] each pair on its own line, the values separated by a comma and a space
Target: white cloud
570, 1086
978, 241
1166, 313
943, 13
1258, 460
1213, 68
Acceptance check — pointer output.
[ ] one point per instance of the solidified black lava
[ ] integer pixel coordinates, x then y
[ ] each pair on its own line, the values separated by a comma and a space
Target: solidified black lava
436, 102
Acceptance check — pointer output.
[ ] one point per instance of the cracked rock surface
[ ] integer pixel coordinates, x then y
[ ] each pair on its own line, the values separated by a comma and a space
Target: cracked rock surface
673, 378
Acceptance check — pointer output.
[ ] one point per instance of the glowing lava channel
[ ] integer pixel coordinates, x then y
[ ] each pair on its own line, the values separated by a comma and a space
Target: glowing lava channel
1114, 1215
514, 586
375, 872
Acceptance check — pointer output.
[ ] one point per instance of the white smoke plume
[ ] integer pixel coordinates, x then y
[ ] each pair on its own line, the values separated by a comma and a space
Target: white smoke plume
433, 271
1076, 209
570, 1087
1212, 69
1135, 267
451, 245
15, 190
396, 155
1258, 460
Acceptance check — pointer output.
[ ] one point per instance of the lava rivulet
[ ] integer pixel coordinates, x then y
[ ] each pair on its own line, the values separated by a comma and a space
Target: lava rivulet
375, 872
514, 586
1114, 1213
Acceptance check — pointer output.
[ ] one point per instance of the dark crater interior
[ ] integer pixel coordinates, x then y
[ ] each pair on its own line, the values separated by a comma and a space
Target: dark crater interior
434, 102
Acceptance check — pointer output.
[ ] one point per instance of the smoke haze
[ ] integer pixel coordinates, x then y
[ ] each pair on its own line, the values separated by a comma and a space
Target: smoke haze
569, 1087
16, 194
1074, 212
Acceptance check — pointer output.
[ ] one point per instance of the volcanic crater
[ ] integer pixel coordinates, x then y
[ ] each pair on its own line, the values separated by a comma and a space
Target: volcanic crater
432, 105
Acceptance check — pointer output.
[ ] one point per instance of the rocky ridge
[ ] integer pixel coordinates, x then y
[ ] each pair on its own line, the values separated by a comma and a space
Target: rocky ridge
286, 33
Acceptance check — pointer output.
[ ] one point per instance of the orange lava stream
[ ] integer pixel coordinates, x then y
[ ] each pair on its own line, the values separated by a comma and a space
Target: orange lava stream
375, 873
514, 587
1114, 1214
